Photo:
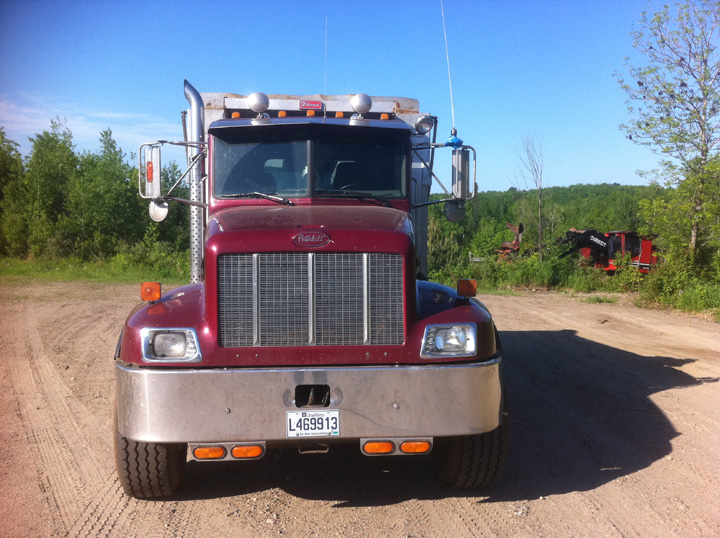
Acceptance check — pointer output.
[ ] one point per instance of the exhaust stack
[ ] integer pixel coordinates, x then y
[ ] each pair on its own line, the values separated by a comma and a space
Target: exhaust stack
195, 133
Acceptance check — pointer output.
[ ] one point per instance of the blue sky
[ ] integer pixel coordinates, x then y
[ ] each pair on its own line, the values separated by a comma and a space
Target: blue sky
519, 68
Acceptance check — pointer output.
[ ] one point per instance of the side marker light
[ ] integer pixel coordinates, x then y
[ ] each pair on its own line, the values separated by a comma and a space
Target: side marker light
467, 287
209, 452
150, 291
247, 451
378, 447
415, 447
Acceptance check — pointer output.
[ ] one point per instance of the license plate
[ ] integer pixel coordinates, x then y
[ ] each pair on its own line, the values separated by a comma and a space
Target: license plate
324, 423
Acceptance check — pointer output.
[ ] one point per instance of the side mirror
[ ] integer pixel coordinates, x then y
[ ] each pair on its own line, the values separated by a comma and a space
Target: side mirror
149, 169
158, 210
454, 210
461, 174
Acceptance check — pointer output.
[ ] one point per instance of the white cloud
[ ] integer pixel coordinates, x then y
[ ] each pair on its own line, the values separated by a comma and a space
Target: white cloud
27, 115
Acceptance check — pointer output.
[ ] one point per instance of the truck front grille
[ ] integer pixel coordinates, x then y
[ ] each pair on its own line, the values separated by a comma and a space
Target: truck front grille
299, 299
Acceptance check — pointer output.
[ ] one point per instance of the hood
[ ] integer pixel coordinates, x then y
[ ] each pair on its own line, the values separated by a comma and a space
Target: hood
315, 217
349, 228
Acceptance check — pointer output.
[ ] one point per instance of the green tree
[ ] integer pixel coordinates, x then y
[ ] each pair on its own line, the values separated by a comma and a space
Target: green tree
175, 229
102, 211
11, 171
448, 252
38, 201
674, 102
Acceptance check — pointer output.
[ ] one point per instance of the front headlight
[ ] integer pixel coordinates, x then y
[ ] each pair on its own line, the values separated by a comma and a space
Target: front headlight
170, 345
449, 340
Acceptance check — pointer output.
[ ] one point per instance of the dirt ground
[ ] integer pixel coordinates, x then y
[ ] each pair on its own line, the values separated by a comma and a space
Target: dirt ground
615, 432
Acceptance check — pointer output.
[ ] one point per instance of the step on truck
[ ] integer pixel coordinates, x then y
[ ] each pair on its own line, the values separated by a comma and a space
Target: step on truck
308, 321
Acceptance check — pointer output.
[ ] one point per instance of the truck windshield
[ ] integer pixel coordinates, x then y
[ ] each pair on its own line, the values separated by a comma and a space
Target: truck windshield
313, 166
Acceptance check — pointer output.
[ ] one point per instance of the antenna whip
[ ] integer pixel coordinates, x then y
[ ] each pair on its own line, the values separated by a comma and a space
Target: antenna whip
325, 90
447, 56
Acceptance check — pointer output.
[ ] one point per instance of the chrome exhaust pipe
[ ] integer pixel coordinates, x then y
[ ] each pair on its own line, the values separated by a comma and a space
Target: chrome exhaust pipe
195, 133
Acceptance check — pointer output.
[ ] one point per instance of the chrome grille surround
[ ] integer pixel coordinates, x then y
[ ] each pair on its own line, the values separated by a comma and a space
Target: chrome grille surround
302, 299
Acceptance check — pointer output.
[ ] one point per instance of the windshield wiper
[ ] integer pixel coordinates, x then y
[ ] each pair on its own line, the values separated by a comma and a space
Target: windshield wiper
263, 195
355, 195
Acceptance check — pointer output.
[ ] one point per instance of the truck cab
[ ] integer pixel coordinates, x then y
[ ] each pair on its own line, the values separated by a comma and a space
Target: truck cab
308, 321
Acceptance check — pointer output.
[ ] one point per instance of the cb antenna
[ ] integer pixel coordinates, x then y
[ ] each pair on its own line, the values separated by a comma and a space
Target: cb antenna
454, 141
325, 90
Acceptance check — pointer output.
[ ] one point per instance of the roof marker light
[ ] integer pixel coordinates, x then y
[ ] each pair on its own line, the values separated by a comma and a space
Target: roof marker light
311, 113
282, 114
339, 114
235, 115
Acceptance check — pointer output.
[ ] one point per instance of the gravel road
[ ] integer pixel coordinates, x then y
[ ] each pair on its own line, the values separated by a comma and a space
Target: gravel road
615, 432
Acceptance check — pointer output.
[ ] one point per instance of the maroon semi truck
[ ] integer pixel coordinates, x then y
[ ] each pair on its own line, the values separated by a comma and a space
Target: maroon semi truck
309, 321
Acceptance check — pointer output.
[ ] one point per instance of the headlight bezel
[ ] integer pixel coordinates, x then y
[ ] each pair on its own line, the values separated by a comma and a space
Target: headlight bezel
150, 355
429, 348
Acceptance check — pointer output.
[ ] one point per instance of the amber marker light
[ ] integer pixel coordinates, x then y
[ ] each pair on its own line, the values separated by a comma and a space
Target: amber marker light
150, 291
378, 447
467, 287
209, 452
235, 115
311, 113
150, 172
247, 451
339, 114
282, 114
415, 447
384, 116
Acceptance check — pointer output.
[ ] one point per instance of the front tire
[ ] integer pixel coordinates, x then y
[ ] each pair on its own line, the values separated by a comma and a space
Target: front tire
472, 461
149, 470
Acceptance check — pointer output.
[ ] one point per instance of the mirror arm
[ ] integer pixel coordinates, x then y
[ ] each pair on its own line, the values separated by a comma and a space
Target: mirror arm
190, 167
183, 201
415, 150
433, 202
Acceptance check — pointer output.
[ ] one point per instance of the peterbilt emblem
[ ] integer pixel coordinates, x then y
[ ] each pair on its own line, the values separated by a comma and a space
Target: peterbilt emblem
311, 239
310, 105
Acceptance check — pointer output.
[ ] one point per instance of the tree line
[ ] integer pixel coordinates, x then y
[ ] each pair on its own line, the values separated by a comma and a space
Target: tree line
58, 203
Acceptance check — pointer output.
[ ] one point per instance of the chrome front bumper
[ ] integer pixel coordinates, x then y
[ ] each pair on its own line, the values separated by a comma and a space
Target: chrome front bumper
228, 405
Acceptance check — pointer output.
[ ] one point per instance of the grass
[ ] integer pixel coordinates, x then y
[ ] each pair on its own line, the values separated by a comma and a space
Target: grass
14, 271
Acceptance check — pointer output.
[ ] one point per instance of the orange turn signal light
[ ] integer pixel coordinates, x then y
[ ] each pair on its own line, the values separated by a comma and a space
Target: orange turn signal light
310, 113
247, 451
150, 291
467, 287
339, 114
415, 447
209, 452
378, 447
384, 116
235, 115
282, 114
